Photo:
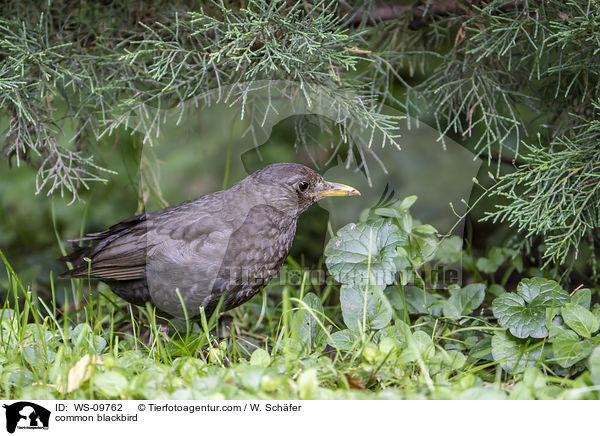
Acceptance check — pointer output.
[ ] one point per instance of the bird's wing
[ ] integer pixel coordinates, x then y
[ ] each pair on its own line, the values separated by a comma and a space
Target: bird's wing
118, 253
122, 251
187, 252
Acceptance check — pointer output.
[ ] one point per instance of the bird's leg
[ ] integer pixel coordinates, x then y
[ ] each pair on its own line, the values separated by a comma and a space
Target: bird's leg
162, 327
222, 330
145, 328
224, 360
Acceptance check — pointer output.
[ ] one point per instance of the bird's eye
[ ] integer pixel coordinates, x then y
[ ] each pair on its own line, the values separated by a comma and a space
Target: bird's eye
302, 186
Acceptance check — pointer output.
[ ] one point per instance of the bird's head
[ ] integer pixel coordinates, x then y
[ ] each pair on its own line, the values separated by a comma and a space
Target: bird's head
292, 188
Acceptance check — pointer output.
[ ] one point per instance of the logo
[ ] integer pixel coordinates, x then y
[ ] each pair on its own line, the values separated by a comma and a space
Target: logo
26, 415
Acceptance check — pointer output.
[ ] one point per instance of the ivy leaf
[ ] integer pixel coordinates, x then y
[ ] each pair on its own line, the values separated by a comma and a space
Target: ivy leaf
464, 301
347, 254
523, 320
542, 291
579, 319
524, 311
513, 353
377, 313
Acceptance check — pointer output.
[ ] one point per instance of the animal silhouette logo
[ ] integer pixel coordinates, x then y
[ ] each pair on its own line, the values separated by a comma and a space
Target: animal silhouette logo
26, 415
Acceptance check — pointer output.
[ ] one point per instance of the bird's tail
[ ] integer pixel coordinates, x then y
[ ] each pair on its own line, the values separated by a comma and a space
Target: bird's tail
77, 258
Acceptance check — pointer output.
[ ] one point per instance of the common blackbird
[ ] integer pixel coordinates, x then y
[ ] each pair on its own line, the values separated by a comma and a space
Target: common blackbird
225, 245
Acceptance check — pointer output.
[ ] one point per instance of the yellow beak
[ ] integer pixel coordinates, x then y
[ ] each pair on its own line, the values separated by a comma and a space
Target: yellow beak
337, 190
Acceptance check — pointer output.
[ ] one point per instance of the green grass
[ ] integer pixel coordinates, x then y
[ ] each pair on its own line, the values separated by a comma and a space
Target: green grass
94, 346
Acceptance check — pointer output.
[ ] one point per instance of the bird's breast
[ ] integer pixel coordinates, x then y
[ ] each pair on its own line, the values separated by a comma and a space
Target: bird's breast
258, 247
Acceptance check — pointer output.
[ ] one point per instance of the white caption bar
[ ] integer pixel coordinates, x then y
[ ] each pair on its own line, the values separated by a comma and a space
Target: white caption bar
264, 417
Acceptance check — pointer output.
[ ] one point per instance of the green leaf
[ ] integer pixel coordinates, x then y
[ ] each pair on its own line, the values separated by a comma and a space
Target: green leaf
596, 311
453, 359
524, 311
567, 347
398, 332
560, 334
111, 383
344, 340
579, 319
481, 393
422, 247
260, 357
594, 365
421, 345
250, 378
523, 320
583, 297
417, 300
407, 202
378, 311
427, 229
496, 290
8, 316
308, 383
398, 209
20, 377
541, 291
82, 334
513, 353
347, 254
37, 356
306, 329
492, 262
464, 301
